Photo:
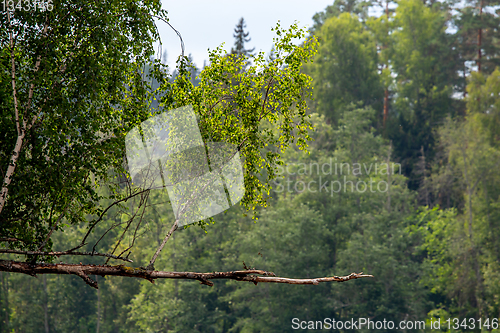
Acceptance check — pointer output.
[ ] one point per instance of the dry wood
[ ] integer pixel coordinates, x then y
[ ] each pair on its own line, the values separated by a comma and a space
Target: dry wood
84, 271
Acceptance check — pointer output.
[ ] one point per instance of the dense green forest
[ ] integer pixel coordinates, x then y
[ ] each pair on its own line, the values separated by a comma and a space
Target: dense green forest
399, 180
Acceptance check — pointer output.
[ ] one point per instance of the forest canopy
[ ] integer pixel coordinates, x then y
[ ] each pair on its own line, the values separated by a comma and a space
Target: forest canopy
79, 106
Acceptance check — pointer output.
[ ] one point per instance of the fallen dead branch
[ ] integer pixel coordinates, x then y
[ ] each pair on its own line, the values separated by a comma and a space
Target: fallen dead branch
85, 271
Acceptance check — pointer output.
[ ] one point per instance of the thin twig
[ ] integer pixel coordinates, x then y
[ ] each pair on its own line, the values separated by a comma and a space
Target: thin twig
158, 250
63, 253
141, 203
177, 32
105, 211
53, 228
134, 237
11, 239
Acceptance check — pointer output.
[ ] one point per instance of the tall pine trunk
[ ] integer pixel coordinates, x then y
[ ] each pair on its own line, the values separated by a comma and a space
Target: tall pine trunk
479, 37
386, 92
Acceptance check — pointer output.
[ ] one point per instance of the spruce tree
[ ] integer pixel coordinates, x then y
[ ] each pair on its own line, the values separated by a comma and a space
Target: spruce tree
241, 37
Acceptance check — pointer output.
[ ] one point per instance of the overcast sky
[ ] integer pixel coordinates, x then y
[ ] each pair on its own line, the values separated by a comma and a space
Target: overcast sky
205, 24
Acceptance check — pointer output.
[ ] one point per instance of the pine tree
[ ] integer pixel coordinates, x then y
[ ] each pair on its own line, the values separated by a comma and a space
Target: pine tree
478, 36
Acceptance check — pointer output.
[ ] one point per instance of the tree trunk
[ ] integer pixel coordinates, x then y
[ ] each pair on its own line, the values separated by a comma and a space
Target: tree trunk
386, 105
389, 178
386, 92
479, 38
45, 304
10, 169
474, 250
98, 307
5, 292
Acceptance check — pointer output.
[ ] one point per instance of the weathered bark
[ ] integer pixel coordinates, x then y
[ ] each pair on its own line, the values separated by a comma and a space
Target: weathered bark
84, 271
26, 126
